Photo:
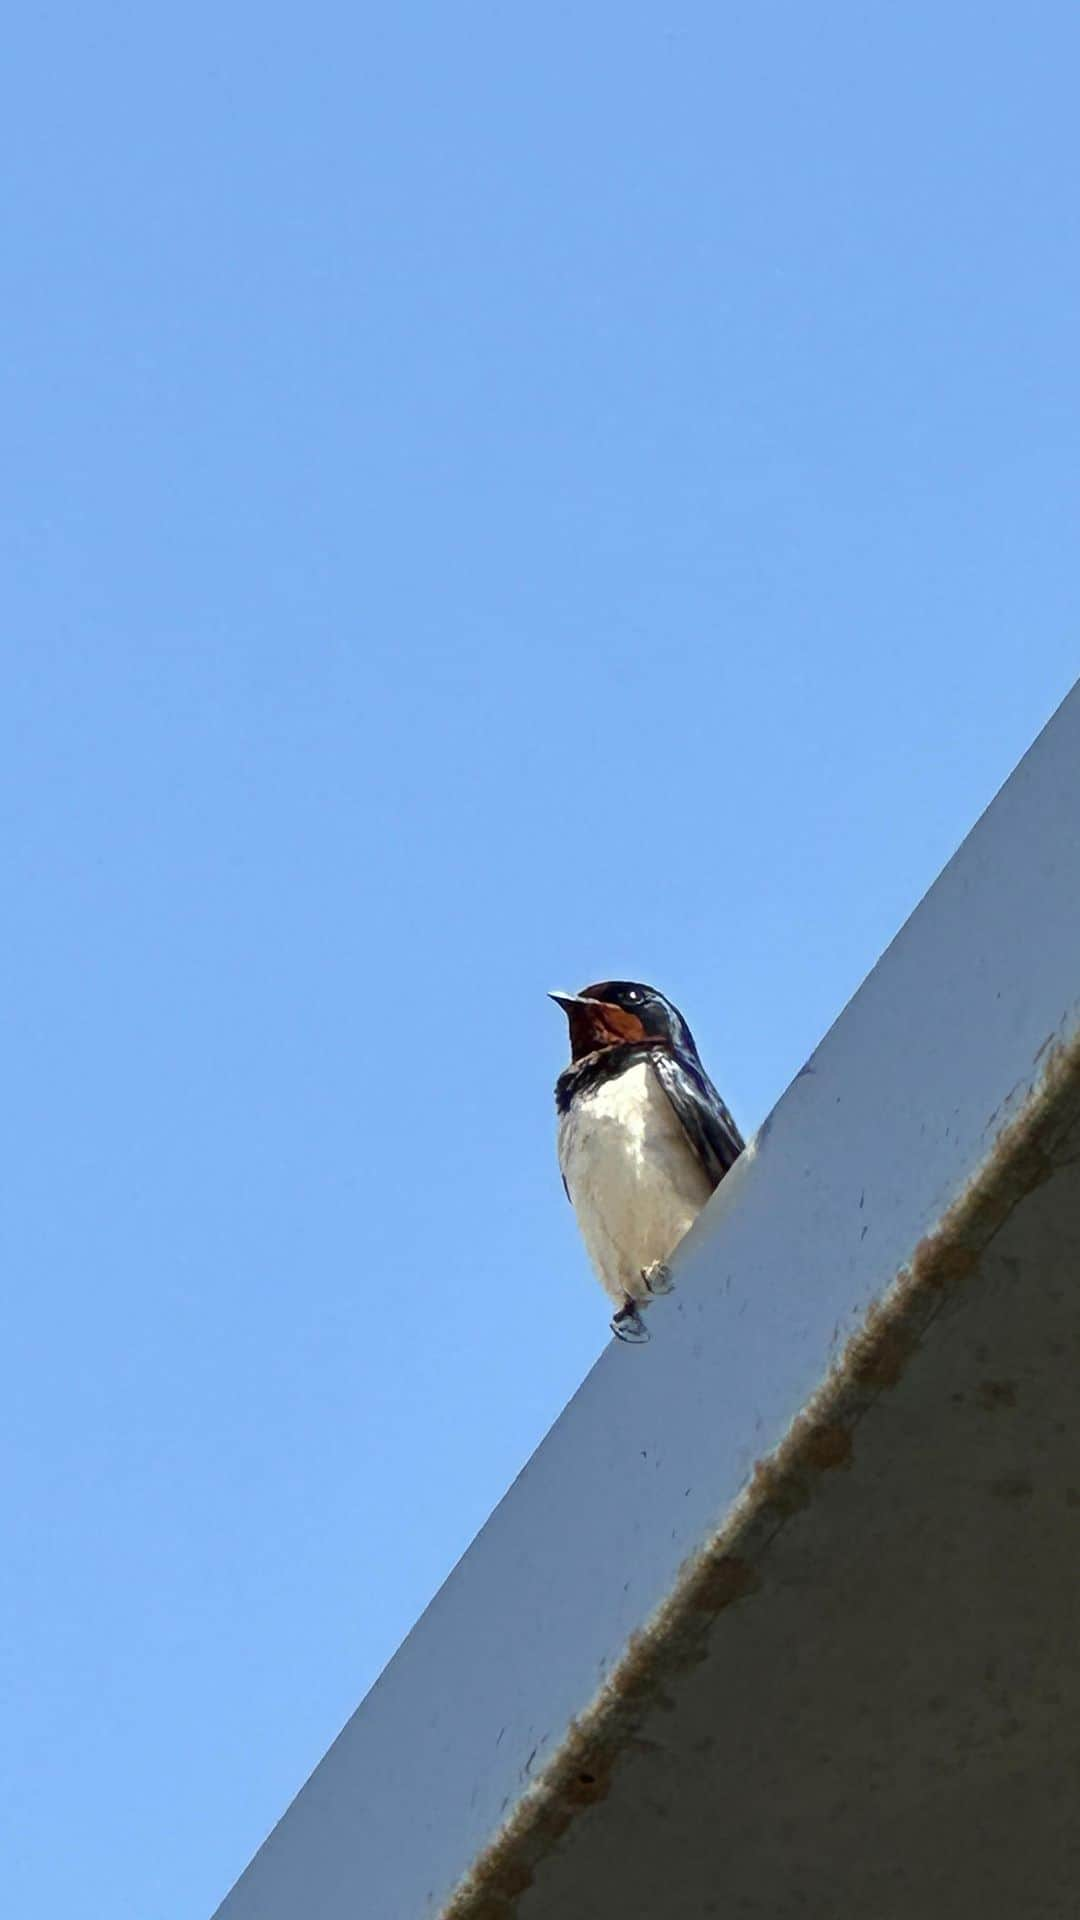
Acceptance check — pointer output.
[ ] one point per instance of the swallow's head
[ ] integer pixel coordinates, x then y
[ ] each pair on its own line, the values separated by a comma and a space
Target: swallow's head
614, 1013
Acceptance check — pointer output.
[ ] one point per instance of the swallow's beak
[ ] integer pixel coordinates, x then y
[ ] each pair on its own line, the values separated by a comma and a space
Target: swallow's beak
568, 1000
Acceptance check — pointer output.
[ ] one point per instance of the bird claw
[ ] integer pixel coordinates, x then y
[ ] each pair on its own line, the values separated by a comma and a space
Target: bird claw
658, 1278
628, 1325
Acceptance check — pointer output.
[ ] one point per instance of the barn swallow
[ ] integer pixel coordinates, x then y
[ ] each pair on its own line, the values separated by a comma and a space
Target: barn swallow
643, 1137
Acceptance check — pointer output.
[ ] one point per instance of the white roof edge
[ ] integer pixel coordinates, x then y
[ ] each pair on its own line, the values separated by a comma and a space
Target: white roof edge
890, 1159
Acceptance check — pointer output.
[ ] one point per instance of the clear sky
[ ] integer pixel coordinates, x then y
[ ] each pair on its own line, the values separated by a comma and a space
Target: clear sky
492, 497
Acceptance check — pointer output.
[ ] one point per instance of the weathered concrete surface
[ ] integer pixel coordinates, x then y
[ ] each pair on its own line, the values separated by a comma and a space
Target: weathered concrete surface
779, 1619
875, 1712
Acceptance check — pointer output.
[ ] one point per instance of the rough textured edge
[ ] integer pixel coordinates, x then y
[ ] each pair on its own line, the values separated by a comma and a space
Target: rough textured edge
819, 1440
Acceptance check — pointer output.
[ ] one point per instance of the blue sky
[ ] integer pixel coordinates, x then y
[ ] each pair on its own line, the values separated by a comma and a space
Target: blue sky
493, 498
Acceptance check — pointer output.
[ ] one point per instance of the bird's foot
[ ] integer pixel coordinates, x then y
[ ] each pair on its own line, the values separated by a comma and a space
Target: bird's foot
628, 1325
658, 1278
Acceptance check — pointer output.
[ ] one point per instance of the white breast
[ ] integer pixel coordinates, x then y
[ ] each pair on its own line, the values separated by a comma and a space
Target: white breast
634, 1181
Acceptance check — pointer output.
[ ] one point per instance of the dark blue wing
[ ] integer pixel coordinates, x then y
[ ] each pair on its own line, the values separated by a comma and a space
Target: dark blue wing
705, 1120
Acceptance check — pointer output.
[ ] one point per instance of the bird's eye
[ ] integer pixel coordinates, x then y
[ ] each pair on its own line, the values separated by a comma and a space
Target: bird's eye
633, 994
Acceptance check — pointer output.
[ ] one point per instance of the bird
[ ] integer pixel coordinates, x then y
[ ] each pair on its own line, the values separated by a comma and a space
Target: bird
643, 1138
